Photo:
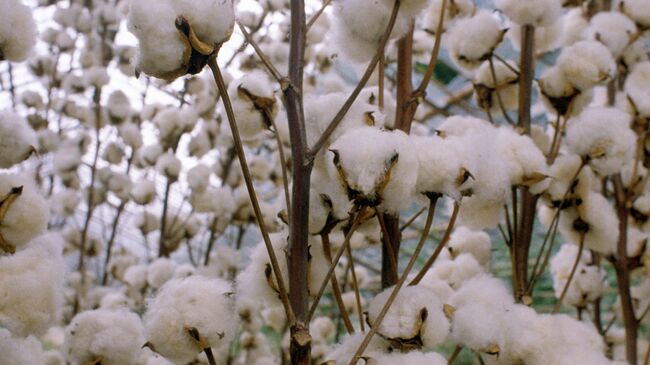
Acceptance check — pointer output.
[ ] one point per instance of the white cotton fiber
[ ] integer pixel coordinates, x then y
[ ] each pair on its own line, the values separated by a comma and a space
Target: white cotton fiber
28, 215
17, 139
531, 12
17, 30
471, 40
586, 64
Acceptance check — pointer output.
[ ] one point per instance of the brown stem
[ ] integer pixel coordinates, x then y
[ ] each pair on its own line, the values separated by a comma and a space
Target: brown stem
162, 248
314, 17
527, 73
565, 290
263, 57
455, 354
445, 238
412, 219
283, 163
623, 272
355, 287
336, 289
210, 356
239, 149
390, 239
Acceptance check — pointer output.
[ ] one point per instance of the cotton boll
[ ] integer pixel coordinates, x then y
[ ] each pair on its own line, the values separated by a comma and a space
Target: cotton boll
16, 350
529, 12
96, 76
131, 135
488, 91
113, 153
416, 314
31, 286
471, 40
172, 123
198, 177
358, 36
597, 219
17, 31
380, 168
454, 9
637, 10
169, 166
637, 88
148, 155
410, 8
135, 277
253, 101
603, 137
17, 139
586, 64
224, 262
456, 271
212, 20
197, 302
588, 284
343, 352
115, 301
143, 192
477, 243
112, 337
440, 166
612, 29
411, 358
160, 271
526, 164
65, 203
486, 289
119, 106
27, 216
563, 191
564, 259
559, 96
119, 184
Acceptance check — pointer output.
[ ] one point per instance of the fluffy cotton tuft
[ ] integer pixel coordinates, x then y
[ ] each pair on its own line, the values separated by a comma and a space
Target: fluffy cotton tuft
637, 88
586, 64
193, 302
638, 10
254, 104
492, 95
169, 165
596, 219
603, 138
17, 139
411, 358
17, 30
31, 286
531, 12
465, 240
110, 337
471, 40
16, 350
27, 215
198, 177
378, 167
613, 29
160, 271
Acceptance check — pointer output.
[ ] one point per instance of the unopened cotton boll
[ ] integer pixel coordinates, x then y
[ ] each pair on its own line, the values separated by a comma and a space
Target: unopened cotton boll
586, 64
17, 31
169, 166
196, 302
531, 12
613, 29
31, 286
16, 350
471, 40
254, 104
160, 271
110, 337
603, 138
415, 313
28, 213
17, 139
378, 167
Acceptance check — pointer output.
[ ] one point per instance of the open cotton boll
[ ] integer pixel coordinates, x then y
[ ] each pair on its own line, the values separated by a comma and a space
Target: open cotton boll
637, 88
378, 167
17, 31
574, 23
115, 301
160, 271
198, 177
563, 191
204, 304
148, 155
143, 192
595, 217
172, 123
17, 139
411, 358
637, 10
212, 20
613, 29
253, 101
113, 153
110, 337
455, 272
16, 350
454, 9
169, 166
476, 243
603, 137
559, 96
118, 106
531, 12
470, 41
586, 64
416, 316
359, 25
440, 166
343, 352
564, 259
488, 92
526, 164
588, 284
31, 286
28, 214
135, 276
410, 8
